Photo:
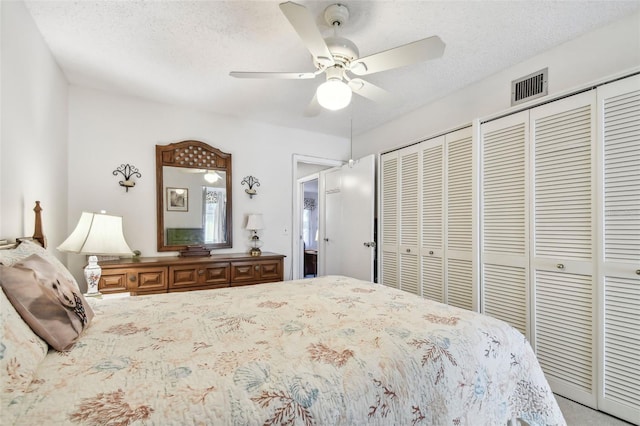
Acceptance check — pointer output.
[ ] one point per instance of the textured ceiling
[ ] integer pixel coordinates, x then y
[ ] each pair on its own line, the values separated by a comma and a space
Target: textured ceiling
181, 52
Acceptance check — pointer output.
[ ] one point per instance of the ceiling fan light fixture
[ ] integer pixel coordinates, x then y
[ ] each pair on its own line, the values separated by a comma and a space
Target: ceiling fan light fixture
211, 177
334, 94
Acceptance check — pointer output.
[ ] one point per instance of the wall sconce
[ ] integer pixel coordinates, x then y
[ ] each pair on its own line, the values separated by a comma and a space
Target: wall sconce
251, 182
127, 171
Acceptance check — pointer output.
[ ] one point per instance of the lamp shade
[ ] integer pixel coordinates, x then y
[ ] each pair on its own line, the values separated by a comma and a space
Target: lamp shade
254, 222
97, 234
333, 94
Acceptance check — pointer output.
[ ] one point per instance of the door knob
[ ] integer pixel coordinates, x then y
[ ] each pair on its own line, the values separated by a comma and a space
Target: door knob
431, 252
326, 240
370, 244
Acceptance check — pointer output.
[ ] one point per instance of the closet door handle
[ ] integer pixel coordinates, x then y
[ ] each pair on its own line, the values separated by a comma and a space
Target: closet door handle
408, 250
560, 266
637, 271
431, 252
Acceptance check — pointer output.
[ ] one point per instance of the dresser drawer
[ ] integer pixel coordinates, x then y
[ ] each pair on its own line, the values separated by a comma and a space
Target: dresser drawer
209, 275
113, 281
244, 272
257, 271
142, 280
270, 270
148, 280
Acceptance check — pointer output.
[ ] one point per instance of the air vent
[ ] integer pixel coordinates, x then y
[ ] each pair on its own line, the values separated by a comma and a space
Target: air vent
529, 87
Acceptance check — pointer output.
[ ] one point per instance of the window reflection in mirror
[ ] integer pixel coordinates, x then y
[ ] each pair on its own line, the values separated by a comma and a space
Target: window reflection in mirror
214, 214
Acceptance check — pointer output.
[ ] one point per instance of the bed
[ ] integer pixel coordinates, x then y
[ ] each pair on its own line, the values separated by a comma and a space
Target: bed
324, 351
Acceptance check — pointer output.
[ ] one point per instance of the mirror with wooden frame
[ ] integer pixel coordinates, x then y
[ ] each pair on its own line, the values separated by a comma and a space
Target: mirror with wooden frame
193, 197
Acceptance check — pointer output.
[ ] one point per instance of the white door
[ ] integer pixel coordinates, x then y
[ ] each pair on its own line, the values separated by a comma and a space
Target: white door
619, 237
388, 238
333, 229
504, 220
562, 260
409, 224
349, 220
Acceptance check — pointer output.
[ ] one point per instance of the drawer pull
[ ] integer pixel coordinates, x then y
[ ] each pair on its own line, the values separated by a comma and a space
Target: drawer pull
132, 278
200, 272
560, 266
257, 268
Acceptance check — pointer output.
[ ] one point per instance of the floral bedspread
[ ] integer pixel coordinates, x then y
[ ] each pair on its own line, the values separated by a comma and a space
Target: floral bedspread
324, 351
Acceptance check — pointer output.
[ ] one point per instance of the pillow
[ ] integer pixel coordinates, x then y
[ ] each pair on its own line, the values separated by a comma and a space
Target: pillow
26, 249
47, 301
21, 351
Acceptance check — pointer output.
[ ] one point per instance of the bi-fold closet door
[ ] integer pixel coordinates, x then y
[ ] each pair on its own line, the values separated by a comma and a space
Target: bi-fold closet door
537, 218
619, 248
560, 239
426, 219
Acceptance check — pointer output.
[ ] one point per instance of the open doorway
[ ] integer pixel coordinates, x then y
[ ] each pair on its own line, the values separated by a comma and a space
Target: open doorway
306, 169
310, 226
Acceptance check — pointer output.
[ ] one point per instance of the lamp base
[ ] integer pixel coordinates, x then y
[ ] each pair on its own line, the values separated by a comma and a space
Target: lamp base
255, 251
92, 273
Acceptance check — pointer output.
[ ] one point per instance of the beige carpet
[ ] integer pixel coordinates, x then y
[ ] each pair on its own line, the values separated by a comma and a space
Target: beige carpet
578, 415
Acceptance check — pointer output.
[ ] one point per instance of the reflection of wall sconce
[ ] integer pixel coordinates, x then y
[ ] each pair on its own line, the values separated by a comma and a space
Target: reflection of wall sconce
128, 171
251, 182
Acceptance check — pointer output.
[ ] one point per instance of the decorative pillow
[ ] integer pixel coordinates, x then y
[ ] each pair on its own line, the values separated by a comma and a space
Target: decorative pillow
21, 351
47, 301
26, 249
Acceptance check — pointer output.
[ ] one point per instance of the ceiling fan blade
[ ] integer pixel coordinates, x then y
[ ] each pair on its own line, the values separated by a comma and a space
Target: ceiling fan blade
411, 53
313, 108
370, 91
305, 26
277, 75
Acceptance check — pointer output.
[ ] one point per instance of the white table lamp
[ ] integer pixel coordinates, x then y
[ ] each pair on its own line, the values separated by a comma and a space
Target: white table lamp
254, 223
96, 234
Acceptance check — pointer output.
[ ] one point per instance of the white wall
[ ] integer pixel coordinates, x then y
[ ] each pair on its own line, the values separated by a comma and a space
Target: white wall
108, 130
33, 136
605, 52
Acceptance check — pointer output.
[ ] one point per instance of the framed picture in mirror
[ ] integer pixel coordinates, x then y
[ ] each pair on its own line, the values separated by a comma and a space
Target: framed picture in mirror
177, 199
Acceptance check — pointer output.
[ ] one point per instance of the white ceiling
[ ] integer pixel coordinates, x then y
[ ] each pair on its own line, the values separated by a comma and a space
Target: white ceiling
181, 52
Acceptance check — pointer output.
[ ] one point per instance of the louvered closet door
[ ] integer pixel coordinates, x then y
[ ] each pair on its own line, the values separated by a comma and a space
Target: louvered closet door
389, 186
459, 214
409, 229
504, 220
563, 148
432, 244
620, 259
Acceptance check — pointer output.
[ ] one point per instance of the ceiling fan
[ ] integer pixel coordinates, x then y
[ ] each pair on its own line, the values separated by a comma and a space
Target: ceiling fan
338, 58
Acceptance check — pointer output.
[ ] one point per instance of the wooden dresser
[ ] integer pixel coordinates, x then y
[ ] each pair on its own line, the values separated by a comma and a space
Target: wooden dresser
150, 275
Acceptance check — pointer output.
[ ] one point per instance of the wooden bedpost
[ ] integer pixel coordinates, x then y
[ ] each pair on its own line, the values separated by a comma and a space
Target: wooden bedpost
37, 232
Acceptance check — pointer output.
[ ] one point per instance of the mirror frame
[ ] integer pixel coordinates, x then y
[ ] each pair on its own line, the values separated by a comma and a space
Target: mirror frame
191, 154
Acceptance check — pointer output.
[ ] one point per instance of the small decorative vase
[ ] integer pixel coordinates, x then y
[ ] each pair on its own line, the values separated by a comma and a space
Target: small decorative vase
92, 274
